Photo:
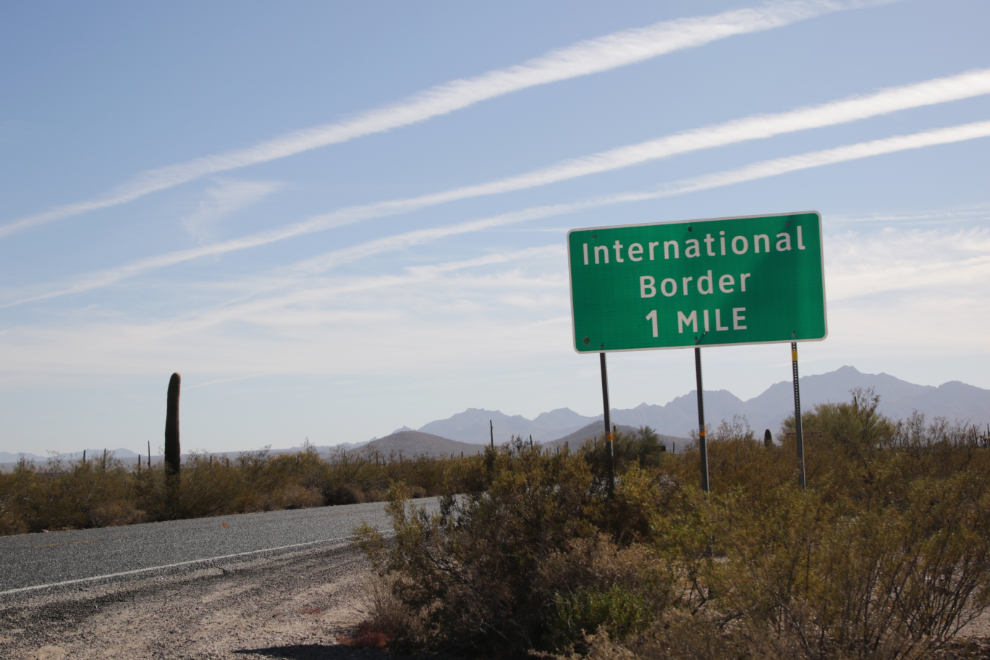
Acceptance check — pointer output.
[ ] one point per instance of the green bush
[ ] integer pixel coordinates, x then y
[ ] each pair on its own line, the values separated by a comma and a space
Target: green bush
470, 575
885, 556
575, 615
100, 493
641, 448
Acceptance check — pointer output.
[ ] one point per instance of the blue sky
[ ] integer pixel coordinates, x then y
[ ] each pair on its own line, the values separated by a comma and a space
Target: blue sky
335, 219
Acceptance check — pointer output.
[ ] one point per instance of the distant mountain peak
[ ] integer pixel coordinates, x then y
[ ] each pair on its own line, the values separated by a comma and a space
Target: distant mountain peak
898, 398
478, 426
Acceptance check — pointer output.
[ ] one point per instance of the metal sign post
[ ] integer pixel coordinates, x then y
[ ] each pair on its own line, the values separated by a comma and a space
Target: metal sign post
797, 416
702, 435
608, 429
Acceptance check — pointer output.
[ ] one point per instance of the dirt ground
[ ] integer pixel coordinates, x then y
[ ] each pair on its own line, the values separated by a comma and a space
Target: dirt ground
291, 606
973, 641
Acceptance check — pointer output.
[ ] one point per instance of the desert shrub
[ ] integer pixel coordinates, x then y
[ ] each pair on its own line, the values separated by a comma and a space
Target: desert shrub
801, 578
366, 635
13, 488
298, 496
579, 613
885, 556
114, 514
11, 523
61, 496
468, 576
596, 563
102, 492
641, 498
594, 585
641, 448
736, 461
344, 494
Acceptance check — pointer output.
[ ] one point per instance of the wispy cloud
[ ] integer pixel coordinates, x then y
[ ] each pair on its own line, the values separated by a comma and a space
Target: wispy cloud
779, 166
223, 199
471, 308
760, 170
897, 259
260, 310
326, 261
471, 305
221, 381
930, 92
860, 265
971, 212
885, 101
863, 267
914, 287
583, 58
288, 333
947, 322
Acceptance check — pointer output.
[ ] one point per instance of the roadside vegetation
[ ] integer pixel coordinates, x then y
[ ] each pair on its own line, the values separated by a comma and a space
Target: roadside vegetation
885, 556
104, 492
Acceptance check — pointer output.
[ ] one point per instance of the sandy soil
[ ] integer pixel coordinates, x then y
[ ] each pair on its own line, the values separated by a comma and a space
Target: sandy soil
973, 641
291, 606
978, 627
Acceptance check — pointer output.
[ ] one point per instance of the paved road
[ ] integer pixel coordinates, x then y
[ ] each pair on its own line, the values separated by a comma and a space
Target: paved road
57, 560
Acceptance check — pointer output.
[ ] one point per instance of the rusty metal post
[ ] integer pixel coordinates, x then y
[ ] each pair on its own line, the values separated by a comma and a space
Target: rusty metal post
608, 428
702, 439
797, 416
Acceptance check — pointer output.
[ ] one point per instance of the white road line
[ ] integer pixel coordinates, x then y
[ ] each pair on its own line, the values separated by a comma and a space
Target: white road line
158, 568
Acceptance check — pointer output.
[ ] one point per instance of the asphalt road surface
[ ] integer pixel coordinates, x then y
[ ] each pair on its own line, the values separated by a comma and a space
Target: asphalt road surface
32, 563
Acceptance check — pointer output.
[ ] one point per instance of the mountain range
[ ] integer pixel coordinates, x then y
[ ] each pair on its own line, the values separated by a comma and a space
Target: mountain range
408, 443
898, 399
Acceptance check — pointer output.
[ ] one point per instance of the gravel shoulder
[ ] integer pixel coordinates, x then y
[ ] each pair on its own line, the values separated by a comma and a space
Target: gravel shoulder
293, 605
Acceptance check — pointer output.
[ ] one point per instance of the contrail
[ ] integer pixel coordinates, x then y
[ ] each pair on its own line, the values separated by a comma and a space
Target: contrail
412, 275
760, 170
885, 101
580, 59
779, 166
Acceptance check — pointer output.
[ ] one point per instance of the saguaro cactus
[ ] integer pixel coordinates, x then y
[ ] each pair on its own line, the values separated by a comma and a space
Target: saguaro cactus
172, 425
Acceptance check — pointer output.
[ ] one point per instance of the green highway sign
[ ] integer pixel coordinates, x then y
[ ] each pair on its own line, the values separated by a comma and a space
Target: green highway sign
718, 282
